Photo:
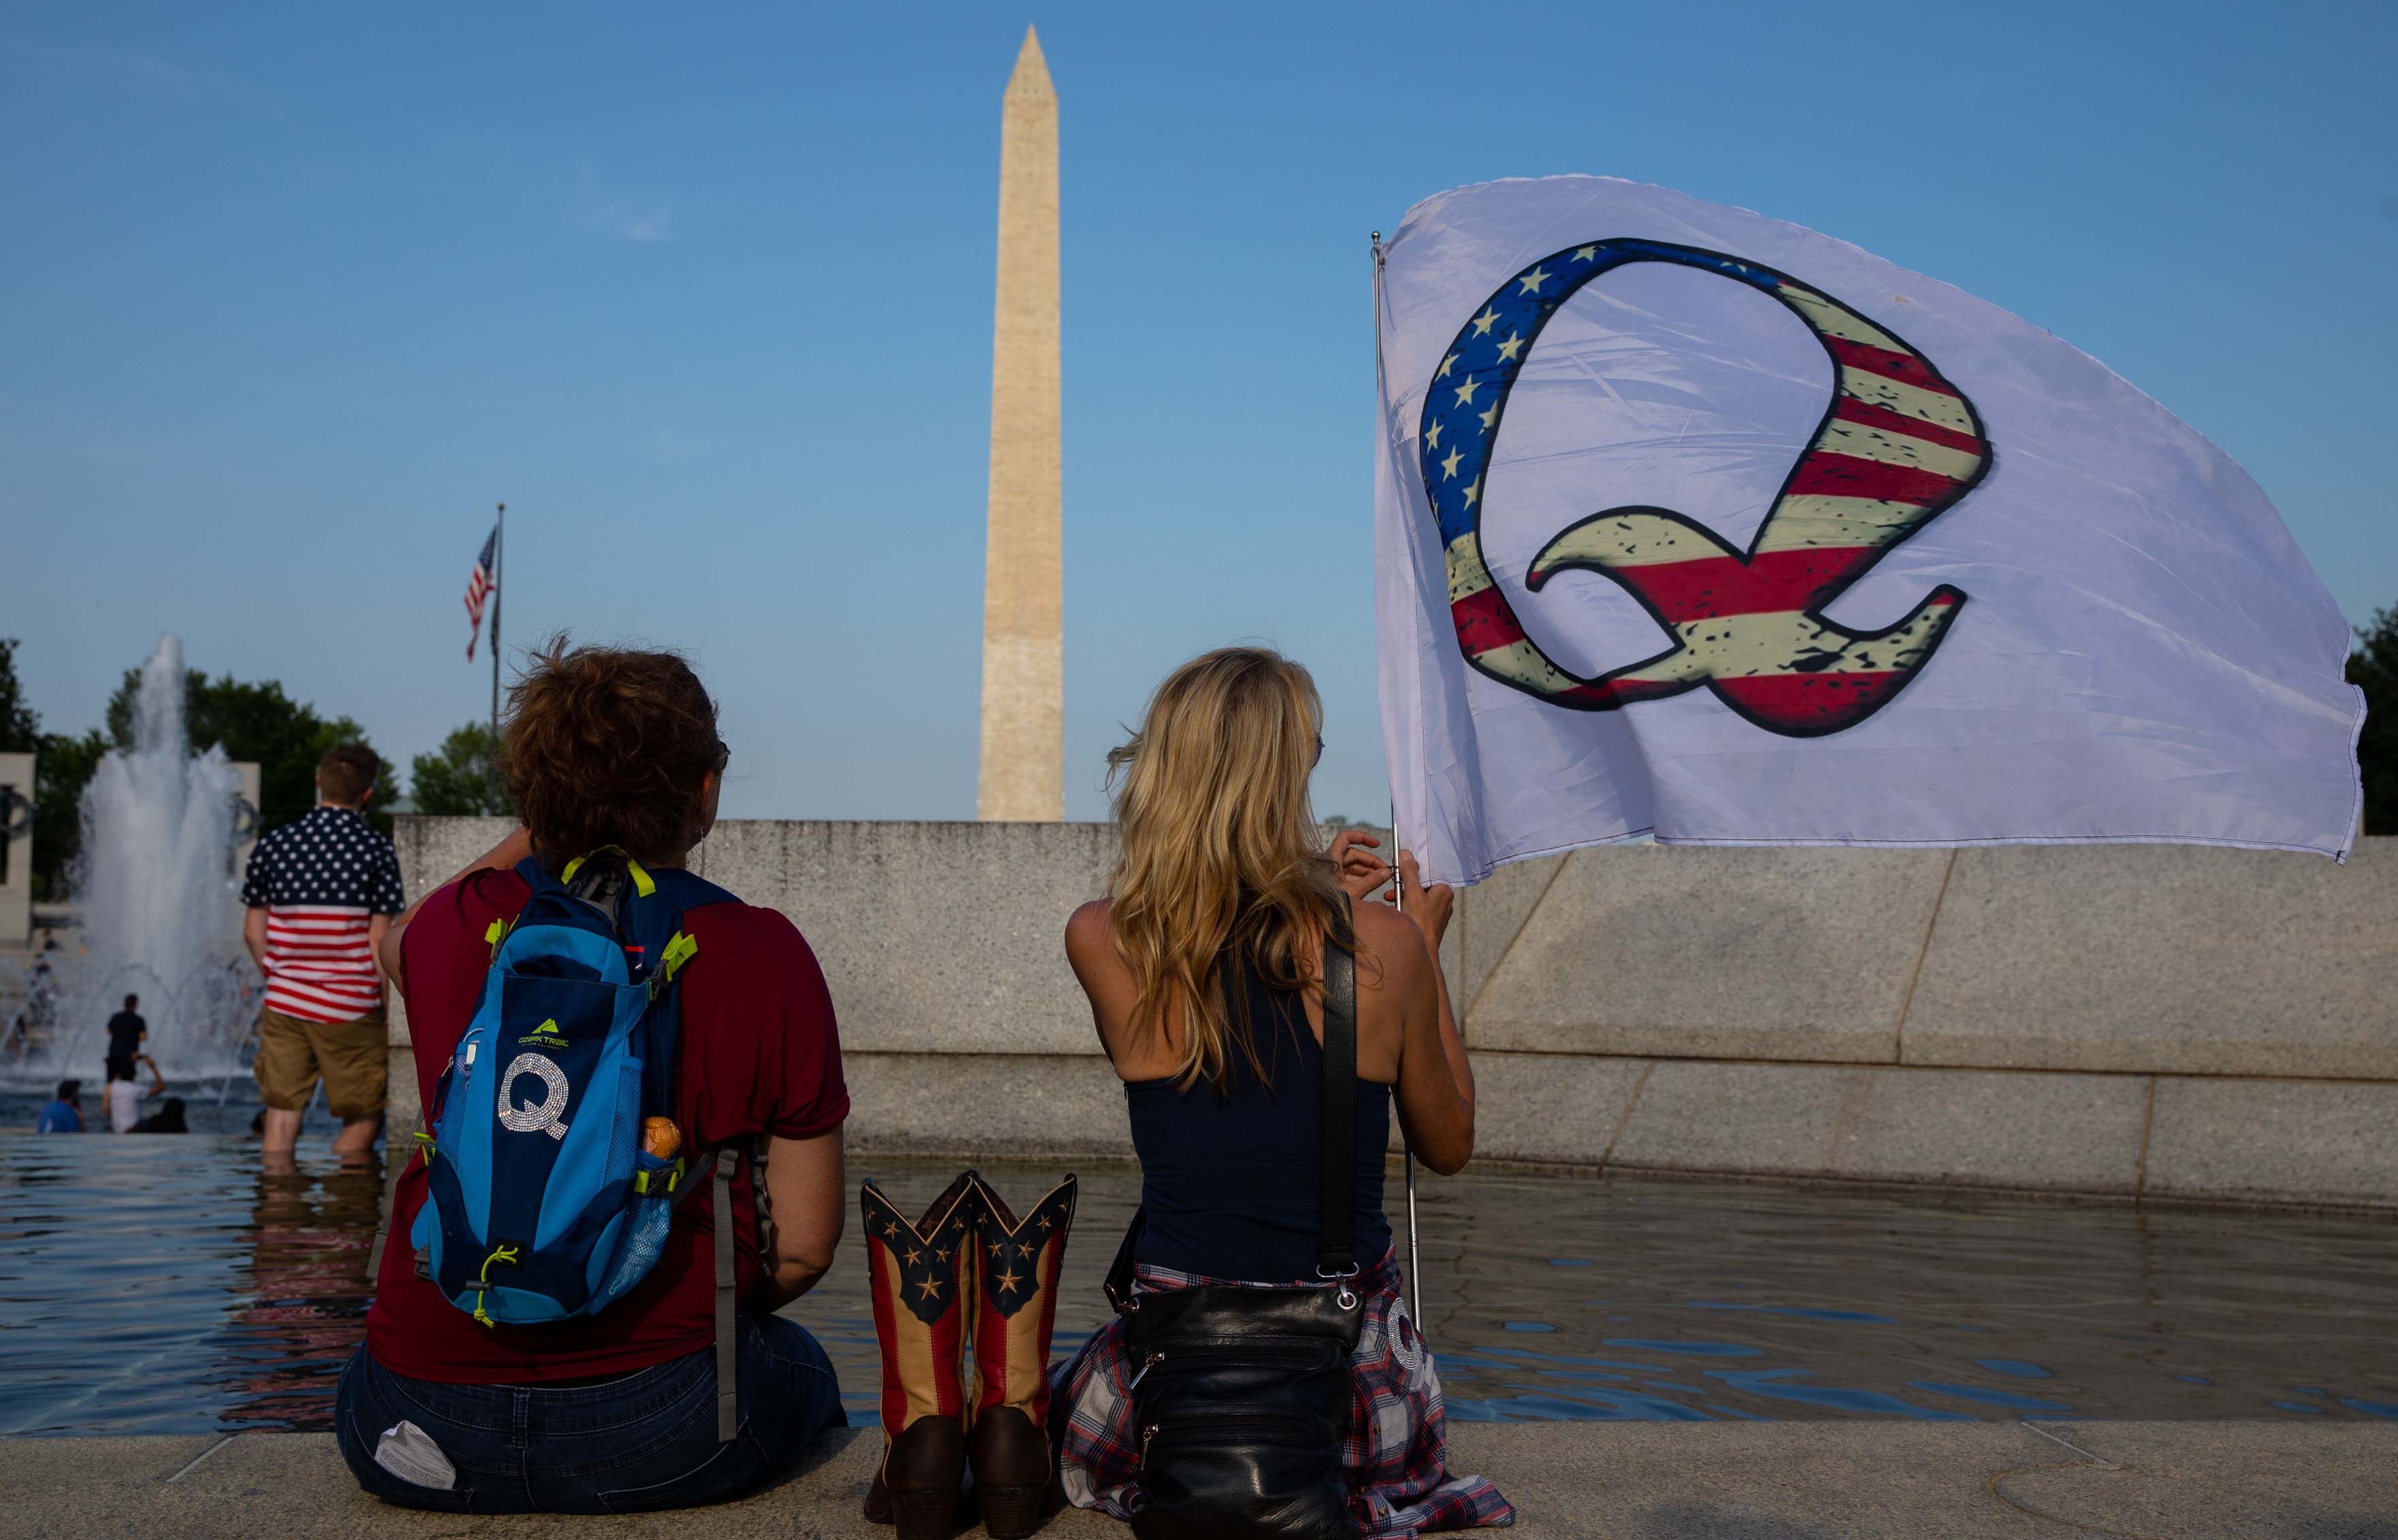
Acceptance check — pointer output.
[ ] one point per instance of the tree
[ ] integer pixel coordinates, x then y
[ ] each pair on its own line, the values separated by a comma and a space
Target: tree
259, 721
458, 780
61, 765
21, 725
64, 768
2373, 667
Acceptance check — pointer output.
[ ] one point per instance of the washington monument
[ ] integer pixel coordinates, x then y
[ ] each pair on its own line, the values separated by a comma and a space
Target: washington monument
1023, 664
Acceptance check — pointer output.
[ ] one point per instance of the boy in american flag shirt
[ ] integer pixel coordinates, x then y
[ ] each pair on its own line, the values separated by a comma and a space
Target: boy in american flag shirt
321, 891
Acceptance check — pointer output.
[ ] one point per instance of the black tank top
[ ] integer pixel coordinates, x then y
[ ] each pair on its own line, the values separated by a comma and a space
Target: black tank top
1230, 1178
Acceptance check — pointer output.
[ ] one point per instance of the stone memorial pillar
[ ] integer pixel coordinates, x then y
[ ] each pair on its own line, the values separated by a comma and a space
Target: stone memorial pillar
16, 851
245, 832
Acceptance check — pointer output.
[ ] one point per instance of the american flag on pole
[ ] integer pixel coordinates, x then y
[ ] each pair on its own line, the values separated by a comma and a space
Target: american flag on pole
479, 587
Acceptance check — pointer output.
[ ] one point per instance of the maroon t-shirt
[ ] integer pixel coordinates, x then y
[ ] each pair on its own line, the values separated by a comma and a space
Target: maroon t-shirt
760, 1056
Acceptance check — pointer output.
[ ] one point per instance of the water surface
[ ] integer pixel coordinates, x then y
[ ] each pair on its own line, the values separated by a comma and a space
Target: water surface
168, 1285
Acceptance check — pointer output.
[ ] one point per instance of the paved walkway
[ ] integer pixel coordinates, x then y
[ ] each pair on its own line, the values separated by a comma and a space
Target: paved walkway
1849, 1480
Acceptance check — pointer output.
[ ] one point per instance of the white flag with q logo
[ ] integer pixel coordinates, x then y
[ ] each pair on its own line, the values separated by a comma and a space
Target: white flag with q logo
1692, 522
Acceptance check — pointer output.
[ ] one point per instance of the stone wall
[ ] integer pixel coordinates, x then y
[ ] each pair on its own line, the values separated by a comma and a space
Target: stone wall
2149, 1021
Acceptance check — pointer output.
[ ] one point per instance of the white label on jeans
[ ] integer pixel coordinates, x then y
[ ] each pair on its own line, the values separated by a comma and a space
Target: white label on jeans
409, 1452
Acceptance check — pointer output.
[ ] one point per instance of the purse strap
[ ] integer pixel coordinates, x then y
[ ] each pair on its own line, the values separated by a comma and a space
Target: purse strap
1336, 1237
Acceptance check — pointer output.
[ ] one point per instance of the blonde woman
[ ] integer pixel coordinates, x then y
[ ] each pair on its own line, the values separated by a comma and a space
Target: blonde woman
1204, 967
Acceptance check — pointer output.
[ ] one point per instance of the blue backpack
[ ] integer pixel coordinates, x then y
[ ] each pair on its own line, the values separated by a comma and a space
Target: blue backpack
544, 1205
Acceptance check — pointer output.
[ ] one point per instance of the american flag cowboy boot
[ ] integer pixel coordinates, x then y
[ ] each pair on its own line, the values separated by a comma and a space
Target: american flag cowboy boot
1016, 1264
921, 1276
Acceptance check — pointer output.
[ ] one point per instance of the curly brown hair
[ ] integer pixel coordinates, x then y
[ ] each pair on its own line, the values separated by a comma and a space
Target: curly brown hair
609, 746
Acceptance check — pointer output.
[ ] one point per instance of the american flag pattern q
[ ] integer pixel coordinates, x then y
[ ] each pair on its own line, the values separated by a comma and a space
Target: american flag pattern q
1897, 445
1696, 523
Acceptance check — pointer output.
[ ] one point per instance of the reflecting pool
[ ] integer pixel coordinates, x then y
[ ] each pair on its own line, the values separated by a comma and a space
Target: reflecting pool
165, 1284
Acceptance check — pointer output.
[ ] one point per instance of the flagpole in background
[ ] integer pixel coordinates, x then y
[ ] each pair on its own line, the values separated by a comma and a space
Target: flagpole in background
499, 546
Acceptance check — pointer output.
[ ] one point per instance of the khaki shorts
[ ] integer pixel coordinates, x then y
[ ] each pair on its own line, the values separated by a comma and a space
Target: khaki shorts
354, 1058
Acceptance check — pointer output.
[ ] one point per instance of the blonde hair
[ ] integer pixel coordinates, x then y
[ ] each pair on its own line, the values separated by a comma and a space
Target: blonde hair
1219, 859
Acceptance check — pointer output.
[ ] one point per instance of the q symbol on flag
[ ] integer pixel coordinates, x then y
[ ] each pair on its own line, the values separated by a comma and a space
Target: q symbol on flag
1897, 445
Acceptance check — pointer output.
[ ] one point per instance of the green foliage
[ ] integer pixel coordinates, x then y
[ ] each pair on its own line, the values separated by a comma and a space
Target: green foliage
20, 733
458, 780
259, 721
64, 768
62, 764
2373, 667
21, 725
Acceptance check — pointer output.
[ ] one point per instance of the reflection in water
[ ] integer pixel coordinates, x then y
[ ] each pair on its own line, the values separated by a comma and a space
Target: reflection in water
169, 1285
306, 1297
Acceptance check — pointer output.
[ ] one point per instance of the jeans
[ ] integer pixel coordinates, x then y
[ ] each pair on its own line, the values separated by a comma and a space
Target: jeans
645, 1441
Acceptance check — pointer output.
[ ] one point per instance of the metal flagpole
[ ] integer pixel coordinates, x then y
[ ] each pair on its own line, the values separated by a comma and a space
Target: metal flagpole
1398, 888
499, 545
1415, 1253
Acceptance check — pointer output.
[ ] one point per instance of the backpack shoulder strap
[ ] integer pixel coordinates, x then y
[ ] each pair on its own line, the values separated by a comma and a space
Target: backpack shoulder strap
655, 918
687, 891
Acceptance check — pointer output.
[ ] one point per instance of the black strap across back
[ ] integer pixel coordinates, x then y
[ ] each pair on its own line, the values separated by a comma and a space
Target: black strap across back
1240, 1392
1336, 1175
1336, 1238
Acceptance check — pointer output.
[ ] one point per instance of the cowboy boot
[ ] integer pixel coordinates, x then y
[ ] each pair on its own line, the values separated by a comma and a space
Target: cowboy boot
921, 1276
1016, 1264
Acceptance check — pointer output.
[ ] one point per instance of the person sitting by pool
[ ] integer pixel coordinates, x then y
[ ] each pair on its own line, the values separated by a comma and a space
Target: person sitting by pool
168, 1119
1204, 966
617, 1411
123, 1095
62, 1114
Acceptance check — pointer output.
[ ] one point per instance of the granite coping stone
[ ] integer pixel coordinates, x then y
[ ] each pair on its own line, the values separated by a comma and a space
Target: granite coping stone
2273, 1142
2175, 959
935, 1104
944, 937
1489, 917
1787, 1481
1550, 1108
1791, 954
2242, 1141
937, 938
1870, 1123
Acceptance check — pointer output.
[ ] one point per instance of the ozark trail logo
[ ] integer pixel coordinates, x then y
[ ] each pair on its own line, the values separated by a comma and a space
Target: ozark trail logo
546, 1035
1897, 445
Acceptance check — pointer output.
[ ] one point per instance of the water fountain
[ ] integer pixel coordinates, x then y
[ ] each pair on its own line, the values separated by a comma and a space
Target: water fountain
161, 918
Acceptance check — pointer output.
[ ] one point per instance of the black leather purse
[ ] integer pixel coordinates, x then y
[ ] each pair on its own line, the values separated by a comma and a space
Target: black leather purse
1240, 1393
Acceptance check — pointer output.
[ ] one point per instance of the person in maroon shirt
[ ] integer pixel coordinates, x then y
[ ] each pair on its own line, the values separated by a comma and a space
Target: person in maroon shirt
616, 1412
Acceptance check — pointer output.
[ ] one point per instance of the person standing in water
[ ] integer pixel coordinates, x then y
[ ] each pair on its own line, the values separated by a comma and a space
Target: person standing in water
126, 1032
321, 891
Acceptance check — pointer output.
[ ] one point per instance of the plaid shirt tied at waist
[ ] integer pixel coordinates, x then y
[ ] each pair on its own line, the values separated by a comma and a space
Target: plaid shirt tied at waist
1394, 1445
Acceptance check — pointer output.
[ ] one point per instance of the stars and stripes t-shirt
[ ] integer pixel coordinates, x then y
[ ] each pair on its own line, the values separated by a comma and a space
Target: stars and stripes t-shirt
320, 879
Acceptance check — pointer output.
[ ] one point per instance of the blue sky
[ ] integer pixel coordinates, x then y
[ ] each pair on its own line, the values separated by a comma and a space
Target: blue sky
293, 294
